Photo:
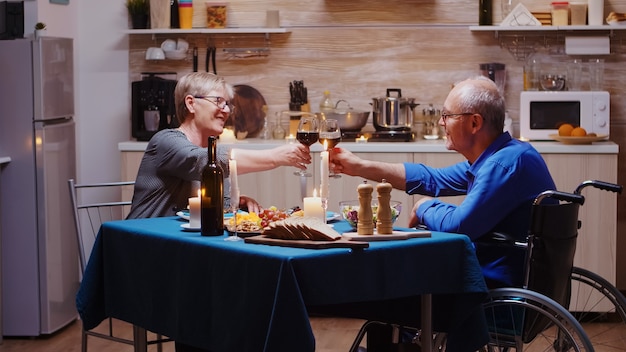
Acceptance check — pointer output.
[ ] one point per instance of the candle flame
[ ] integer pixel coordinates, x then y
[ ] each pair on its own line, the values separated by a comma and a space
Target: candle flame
314, 192
232, 154
198, 193
325, 145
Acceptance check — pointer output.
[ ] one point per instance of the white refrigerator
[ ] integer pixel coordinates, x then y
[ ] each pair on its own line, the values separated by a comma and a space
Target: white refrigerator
39, 255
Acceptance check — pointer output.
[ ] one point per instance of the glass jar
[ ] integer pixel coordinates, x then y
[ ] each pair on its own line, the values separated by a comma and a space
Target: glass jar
560, 13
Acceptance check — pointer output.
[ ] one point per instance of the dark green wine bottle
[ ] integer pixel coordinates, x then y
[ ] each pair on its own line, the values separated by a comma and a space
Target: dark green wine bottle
212, 195
485, 12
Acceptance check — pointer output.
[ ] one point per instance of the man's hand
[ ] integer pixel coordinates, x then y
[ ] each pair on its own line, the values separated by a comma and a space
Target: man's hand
413, 220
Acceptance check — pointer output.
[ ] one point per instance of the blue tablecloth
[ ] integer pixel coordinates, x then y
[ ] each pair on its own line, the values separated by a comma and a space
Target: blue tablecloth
235, 296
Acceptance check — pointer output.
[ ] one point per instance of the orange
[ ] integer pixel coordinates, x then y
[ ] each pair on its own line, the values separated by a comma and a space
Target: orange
579, 132
566, 130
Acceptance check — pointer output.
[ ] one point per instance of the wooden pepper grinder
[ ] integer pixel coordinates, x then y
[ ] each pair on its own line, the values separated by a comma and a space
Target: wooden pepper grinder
384, 225
365, 225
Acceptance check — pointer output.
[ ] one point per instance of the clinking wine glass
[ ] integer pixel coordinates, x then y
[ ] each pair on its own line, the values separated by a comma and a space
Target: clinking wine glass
331, 134
308, 133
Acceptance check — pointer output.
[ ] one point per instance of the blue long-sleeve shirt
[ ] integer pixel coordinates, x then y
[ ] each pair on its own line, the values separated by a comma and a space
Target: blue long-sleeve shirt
499, 186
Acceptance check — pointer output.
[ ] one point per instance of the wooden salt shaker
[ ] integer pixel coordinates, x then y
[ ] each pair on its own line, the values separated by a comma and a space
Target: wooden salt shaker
365, 225
384, 225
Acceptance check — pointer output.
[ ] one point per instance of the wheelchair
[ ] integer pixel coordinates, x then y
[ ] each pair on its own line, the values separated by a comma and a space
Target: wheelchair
598, 305
534, 317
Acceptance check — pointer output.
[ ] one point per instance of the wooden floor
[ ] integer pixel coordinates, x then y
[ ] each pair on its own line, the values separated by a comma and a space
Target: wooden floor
331, 335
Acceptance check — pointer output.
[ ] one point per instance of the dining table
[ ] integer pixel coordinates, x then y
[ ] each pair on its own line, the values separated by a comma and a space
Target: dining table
239, 296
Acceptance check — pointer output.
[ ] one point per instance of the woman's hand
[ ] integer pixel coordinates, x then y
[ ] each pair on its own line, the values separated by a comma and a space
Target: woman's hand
250, 204
297, 155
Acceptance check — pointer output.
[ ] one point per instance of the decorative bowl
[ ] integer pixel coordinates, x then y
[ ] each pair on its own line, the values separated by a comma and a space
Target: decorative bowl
349, 210
552, 82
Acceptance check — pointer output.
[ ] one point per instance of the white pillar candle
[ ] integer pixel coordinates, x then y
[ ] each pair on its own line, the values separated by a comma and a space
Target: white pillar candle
194, 211
234, 183
313, 207
324, 171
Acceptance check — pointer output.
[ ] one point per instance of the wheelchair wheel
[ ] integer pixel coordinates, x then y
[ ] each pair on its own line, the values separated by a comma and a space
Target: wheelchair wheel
600, 308
529, 321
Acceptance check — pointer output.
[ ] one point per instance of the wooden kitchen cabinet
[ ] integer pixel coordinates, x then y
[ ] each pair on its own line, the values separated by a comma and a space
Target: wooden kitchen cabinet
596, 249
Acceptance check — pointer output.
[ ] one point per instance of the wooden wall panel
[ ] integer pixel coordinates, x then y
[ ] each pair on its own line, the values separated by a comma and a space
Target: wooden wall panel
358, 48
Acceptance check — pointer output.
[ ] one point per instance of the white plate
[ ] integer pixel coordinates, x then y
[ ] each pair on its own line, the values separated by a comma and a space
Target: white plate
186, 227
617, 23
331, 216
183, 215
579, 140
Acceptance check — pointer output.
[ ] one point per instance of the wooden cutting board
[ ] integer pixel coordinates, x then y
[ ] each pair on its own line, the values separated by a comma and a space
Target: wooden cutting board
395, 235
341, 243
249, 115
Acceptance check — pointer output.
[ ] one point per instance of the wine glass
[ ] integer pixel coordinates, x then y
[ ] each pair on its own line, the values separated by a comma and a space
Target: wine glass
234, 206
331, 134
307, 134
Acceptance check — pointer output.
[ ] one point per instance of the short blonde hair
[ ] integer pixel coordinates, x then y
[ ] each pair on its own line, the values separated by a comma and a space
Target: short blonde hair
198, 84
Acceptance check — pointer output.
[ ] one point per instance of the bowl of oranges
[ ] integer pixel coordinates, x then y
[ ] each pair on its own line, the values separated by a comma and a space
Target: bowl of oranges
570, 134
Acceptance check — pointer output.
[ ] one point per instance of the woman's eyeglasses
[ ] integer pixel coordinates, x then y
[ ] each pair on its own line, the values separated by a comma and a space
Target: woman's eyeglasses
220, 102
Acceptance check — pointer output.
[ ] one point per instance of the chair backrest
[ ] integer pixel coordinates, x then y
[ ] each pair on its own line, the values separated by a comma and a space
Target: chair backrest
550, 256
93, 204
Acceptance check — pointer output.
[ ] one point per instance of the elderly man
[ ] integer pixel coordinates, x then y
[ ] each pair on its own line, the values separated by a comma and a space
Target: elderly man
500, 179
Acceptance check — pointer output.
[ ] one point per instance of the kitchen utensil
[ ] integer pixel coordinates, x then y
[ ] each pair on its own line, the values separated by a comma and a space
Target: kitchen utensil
210, 59
248, 115
195, 59
495, 72
393, 113
350, 120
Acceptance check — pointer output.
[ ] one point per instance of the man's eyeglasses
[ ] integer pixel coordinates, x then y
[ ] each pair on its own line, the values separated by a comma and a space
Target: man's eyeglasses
445, 116
220, 102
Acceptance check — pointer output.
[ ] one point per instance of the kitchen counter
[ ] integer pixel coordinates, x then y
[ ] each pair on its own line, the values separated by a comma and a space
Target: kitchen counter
420, 146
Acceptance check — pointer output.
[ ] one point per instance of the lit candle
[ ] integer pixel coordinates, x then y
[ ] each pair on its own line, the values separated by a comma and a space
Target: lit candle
361, 139
227, 136
324, 171
234, 183
313, 207
194, 211
291, 139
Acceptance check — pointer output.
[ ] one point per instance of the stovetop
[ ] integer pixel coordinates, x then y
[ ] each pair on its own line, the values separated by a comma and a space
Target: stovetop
380, 136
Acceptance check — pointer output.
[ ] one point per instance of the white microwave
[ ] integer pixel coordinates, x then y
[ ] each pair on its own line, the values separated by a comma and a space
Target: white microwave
542, 112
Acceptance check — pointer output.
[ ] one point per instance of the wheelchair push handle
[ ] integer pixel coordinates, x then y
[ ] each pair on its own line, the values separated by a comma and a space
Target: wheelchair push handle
564, 196
607, 186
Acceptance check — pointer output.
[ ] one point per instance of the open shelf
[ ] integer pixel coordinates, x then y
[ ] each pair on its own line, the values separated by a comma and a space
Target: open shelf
238, 30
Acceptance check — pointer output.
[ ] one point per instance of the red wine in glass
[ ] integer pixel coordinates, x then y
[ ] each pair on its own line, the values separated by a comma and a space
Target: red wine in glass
307, 138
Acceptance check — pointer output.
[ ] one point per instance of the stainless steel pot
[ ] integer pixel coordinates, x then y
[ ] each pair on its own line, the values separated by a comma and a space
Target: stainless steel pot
393, 113
349, 119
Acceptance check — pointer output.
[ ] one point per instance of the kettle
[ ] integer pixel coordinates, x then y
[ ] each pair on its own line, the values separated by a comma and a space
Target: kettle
495, 71
393, 113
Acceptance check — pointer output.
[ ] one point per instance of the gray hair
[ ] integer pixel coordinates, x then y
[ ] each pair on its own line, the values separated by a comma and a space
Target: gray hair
198, 84
485, 99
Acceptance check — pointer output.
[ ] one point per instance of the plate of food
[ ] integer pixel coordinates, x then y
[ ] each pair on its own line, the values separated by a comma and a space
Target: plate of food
588, 139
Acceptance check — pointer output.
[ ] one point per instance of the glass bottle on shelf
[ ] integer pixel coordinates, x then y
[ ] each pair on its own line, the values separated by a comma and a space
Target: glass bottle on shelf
278, 132
326, 105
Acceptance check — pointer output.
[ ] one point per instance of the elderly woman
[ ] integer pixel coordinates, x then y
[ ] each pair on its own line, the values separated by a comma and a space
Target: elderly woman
171, 167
